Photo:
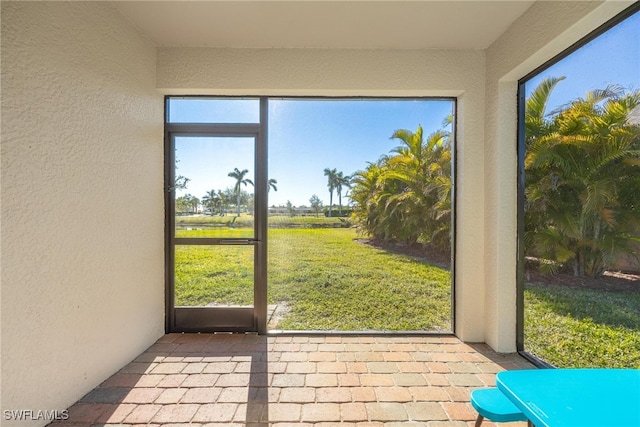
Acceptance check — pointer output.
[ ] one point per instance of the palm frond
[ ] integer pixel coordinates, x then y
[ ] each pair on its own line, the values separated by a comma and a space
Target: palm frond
536, 104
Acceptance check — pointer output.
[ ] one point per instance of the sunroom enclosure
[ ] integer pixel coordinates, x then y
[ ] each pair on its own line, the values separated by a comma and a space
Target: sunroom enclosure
82, 171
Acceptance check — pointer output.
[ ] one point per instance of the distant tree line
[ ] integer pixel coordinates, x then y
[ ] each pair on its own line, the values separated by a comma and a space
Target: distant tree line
219, 202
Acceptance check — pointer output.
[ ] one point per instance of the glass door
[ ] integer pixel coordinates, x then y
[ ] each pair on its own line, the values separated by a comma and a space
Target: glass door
216, 259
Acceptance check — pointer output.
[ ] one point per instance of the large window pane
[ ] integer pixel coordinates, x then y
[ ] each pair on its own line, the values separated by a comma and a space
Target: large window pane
581, 212
327, 269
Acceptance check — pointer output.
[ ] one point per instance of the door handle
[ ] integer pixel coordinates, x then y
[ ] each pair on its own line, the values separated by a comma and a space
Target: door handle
238, 241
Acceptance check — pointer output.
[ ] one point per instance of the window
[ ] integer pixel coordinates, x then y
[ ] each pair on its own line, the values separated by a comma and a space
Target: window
579, 277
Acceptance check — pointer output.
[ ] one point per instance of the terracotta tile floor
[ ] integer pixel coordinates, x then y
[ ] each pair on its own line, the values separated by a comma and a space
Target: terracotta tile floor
215, 380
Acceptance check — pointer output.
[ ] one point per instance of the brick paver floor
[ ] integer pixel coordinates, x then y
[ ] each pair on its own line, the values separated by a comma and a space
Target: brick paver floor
215, 380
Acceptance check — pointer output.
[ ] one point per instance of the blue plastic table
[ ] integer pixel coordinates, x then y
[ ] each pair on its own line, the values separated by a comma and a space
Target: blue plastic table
575, 397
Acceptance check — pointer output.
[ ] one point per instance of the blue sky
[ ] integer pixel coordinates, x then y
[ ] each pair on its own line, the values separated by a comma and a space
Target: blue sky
614, 57
307, 136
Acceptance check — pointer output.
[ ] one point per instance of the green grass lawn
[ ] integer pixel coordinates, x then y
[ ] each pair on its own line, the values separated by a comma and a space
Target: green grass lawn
210, 275
327, 279
571, 327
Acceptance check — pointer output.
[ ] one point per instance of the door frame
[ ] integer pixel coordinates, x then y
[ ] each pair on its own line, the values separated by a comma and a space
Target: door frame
218, 319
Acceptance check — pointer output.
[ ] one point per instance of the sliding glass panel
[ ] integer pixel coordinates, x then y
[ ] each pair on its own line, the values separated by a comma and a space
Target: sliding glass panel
209, 110
214, 187
214, 276
329, 266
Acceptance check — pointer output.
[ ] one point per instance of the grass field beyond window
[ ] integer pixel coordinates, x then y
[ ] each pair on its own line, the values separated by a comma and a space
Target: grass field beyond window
325, 279
572, 327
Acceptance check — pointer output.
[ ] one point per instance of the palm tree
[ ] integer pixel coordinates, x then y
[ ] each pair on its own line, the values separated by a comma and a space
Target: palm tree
536, 121
582, 179
187, 203
239, 176
407, 195
340, 181
422, 168
368, 207
331, 175
211, 200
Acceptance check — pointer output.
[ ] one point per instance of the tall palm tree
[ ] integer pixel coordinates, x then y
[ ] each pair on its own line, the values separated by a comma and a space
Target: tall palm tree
239, 176
331, 175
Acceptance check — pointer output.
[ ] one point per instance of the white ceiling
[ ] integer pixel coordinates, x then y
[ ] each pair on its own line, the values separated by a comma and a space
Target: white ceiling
361, 24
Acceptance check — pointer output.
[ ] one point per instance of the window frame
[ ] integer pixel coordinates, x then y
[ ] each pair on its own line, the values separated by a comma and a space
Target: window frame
521, 101
173, 127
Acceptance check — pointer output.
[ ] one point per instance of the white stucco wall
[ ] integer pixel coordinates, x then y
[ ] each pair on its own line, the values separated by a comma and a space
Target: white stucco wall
330, 72
82, 201
544, 31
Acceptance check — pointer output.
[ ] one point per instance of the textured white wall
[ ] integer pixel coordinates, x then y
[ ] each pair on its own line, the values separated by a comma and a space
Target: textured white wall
330, 72
543, 32
82, 200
